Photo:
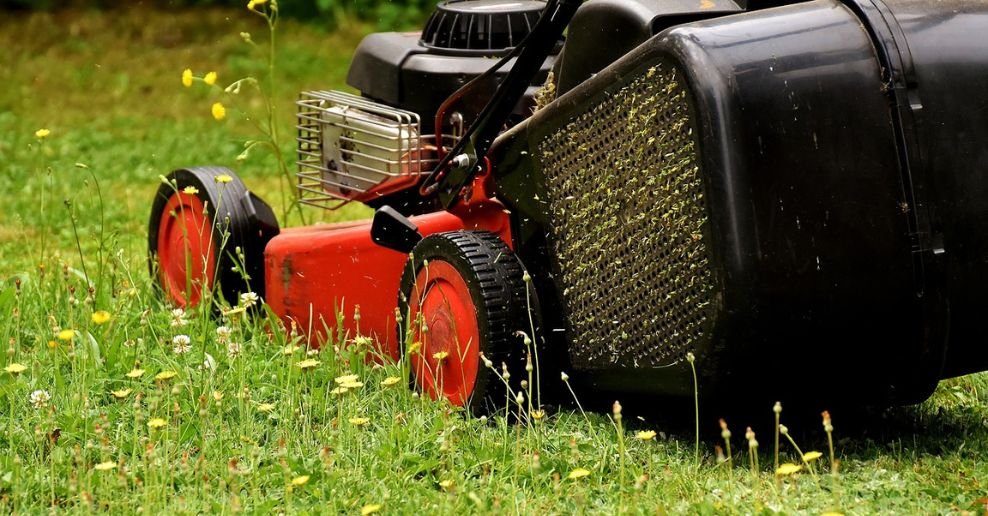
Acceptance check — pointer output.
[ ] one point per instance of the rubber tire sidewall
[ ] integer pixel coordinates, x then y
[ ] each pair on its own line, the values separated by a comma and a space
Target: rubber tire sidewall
497, 332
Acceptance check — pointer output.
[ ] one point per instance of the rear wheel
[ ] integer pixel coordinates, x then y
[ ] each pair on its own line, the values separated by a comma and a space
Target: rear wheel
463, 294
198, 221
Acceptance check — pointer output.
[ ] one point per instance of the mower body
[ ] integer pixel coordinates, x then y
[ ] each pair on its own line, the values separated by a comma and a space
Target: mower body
793, 193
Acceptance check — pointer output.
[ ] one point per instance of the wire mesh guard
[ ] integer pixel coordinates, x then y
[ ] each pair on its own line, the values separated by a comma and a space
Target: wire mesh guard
351, 148
627, 218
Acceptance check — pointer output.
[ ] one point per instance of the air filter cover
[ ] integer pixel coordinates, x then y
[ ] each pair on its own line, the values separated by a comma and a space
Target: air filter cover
481, 25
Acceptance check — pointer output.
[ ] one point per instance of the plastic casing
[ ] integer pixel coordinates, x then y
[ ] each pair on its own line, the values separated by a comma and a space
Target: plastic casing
842, 151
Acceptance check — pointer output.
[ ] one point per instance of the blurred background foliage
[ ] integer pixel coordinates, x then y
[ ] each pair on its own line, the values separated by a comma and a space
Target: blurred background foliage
384, 14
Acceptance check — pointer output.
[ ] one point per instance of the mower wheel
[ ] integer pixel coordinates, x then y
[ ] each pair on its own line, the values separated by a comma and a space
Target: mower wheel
199, 220
463, 293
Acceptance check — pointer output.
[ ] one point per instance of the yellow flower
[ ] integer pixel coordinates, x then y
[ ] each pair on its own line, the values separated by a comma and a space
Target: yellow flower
121, 394
339, 390
359, 421
52, 344
389, 381
290, 350
446, 484
300, 481
308, 363
105, 466
577, 473
414, 348
265, 407
157, 423
190, 190
812, 456
135, 373
218, 395
832, 513
350, 378
187, 78
165, 375
788, 469
15, 368
210, 78
254, 3
219, 112
440, 355
538, 415
352, 385
371, 508
42, 133
66, 335
223, 178
645, 435
101, 317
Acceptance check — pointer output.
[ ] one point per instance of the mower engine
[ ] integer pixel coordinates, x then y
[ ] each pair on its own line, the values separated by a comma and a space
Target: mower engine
773, 188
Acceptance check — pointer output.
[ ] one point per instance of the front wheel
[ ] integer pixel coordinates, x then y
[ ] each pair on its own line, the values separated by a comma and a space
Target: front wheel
199, 219
463, 295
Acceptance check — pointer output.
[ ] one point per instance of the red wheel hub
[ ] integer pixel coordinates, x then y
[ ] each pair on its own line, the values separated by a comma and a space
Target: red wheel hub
186, 251
448, 358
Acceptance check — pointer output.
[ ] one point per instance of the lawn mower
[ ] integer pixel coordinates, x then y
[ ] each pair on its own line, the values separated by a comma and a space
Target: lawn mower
788, 198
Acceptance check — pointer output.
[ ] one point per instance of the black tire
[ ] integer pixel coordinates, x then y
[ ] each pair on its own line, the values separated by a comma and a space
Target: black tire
244, 219
494, 277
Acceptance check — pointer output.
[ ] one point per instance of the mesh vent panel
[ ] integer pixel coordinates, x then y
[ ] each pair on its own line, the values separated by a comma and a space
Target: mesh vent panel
627, 221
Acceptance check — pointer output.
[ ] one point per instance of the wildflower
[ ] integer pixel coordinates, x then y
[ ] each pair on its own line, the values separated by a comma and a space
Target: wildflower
788, 469
218, 395
52, 344
156, 423
290, 350
373, 508
246, 36
165, 375
66, 335
233, 349
446, 484
182, 344
41, 134
352, 385
223, 178
339, 390
15, 368
690, 357
248, 299
105, 466
414, 348
187, 78
40, 398
219, 112
300, 480
564, 377
349, 378
210, 78
121, 394
440, 355
308, 363
537, 415
359, 421
101, 317
645, 435
577, 473
190, 190
135, 373
223, 333
811, 456
265, 407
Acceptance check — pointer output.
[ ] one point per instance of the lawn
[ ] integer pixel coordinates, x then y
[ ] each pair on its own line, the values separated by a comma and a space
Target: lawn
111, 412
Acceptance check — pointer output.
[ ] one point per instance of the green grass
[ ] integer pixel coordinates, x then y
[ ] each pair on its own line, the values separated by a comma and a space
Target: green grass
235, 436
